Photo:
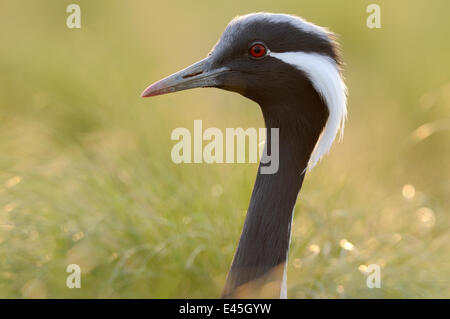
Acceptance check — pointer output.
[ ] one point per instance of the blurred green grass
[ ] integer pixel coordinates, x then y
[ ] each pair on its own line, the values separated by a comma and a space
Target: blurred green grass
86, 175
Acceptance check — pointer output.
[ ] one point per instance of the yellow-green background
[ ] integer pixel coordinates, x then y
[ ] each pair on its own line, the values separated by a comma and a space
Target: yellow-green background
86, 175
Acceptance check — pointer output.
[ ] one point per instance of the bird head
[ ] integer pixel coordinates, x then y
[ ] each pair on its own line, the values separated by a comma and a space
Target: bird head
244, 59
271, 58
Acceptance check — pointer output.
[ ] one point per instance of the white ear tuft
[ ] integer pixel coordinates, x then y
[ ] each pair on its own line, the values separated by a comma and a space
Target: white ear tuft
325, 77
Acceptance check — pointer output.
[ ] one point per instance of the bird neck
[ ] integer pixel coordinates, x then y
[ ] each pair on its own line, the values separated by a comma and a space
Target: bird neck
259, 265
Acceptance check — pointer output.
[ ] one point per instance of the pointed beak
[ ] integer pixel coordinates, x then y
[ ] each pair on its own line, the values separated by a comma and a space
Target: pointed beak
199, 74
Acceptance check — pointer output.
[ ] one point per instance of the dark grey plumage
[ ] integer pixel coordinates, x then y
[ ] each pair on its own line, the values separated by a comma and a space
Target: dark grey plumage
293, 99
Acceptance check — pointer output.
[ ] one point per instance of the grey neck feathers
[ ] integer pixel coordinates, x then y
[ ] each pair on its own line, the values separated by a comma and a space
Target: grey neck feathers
258, 265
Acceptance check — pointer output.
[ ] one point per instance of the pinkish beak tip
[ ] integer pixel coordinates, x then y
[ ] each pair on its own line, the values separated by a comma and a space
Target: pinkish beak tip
145, 92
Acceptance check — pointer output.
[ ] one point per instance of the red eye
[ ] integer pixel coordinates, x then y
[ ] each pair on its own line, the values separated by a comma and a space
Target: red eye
257, 50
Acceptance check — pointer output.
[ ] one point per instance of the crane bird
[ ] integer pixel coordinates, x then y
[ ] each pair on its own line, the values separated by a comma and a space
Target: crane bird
292, 69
